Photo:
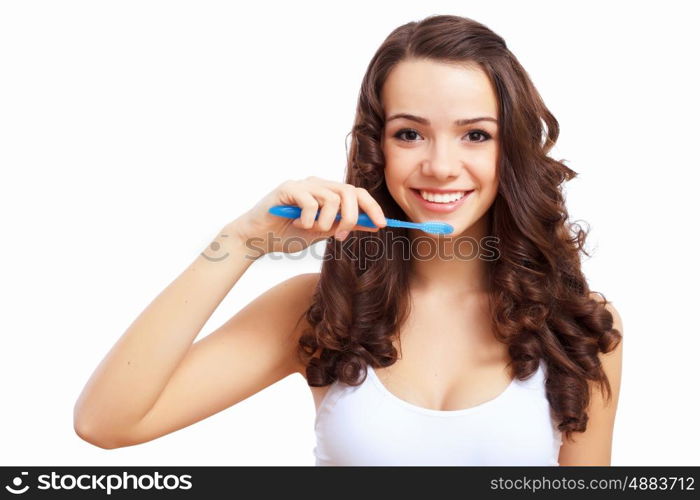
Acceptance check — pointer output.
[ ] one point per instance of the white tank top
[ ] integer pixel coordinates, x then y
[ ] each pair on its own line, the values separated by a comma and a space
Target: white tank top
369, 425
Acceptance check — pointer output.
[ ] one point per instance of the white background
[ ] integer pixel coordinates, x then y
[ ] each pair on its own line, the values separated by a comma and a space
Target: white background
132, 131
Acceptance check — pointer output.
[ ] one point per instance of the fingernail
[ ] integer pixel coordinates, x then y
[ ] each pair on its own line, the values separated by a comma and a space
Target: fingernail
340, 235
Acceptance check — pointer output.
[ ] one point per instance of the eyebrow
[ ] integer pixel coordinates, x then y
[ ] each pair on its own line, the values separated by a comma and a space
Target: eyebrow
425, 121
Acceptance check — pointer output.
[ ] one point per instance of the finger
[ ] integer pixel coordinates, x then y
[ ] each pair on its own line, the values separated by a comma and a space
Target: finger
371, 207
330, 202
308, 204
348, 209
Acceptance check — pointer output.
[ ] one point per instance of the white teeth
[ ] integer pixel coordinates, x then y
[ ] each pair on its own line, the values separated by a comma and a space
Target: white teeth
442, 198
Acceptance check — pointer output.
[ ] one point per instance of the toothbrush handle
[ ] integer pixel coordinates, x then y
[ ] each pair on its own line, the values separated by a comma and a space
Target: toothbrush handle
294, 212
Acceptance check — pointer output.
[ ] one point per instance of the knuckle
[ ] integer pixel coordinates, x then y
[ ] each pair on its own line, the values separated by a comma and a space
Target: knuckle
349, 193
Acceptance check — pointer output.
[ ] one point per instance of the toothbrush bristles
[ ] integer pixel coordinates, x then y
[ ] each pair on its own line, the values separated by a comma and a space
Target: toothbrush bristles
437, 228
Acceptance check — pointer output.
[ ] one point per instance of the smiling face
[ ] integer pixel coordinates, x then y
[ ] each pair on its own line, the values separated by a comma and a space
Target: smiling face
440, 153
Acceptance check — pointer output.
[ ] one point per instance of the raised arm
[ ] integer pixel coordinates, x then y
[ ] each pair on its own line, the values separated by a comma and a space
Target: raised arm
154, 380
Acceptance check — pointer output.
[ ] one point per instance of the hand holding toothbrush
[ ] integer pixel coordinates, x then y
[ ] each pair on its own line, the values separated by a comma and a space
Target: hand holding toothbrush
327, 208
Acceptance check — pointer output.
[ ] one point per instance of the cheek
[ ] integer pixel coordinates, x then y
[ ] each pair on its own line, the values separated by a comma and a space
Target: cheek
392, 179
487, 176
395, 171
398, 156
395, 177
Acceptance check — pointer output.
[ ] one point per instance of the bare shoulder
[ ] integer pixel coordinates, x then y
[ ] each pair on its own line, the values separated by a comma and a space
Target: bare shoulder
617, 320
296, 291
594, 446
300, 290
612, 361
306, 281
293, 297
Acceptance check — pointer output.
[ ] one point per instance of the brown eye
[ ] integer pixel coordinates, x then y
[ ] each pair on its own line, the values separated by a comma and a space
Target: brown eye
400, 133
482, 133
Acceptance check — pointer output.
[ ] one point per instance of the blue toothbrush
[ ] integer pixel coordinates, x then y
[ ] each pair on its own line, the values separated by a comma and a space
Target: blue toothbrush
294, 212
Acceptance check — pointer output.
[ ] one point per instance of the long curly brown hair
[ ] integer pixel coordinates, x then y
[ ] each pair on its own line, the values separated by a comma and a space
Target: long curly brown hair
540, 303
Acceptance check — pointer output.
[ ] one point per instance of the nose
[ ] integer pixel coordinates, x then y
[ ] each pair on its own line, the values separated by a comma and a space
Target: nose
441, 163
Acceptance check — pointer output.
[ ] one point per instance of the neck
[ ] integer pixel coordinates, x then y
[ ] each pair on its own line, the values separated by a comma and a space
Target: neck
450, 265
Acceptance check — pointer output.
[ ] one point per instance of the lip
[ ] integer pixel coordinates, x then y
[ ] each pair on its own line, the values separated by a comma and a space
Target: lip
442, 207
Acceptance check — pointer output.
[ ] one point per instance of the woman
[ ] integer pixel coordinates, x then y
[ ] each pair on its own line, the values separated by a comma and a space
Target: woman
501, 356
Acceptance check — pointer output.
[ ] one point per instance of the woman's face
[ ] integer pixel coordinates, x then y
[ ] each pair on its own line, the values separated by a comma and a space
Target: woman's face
431, 153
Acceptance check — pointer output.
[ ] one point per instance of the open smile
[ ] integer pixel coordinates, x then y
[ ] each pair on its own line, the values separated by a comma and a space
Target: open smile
441, 202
